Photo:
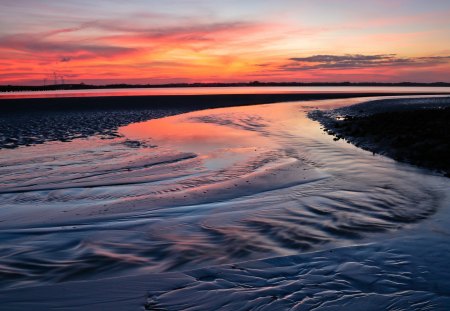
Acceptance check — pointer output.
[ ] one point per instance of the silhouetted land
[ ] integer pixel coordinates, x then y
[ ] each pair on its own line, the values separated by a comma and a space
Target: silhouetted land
82, 86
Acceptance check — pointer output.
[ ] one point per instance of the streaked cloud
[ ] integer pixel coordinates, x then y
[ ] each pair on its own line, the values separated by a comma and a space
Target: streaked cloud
36, 44
358, 61
208, 40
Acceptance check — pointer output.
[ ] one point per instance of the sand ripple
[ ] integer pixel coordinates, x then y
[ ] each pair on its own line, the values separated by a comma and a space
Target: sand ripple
204, 188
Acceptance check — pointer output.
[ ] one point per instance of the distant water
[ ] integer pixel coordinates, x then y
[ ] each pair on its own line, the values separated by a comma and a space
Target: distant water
198, 189
223, 90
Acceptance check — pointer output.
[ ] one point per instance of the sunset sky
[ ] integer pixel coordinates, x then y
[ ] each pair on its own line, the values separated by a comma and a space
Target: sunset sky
168, 41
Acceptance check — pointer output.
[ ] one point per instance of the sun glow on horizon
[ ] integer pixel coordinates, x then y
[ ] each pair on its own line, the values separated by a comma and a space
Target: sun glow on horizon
223, 41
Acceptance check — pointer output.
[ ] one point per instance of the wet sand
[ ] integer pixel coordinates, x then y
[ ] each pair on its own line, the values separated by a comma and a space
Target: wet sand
415, 131
65, 119
235, 208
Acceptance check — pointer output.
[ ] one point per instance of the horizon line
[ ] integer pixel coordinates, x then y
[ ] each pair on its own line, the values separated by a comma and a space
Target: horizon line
212, 84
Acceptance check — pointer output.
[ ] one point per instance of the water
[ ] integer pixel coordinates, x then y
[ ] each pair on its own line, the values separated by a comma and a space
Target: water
224, 90
199, 189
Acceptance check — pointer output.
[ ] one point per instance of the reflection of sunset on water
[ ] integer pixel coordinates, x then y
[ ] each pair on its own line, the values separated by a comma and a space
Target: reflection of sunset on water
186, 91
202, 188
188, 133
224, 155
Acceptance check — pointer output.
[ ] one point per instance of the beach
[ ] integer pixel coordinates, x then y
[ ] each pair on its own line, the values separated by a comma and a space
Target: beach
224, 155
53, 116
231, 208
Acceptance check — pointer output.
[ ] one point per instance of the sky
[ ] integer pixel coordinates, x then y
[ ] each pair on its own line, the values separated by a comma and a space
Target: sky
170, 41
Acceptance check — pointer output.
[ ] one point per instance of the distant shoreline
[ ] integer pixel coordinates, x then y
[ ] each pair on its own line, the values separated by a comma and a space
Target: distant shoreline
82, 86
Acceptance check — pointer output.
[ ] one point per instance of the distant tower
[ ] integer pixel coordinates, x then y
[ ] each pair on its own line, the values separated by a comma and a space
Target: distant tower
55, 78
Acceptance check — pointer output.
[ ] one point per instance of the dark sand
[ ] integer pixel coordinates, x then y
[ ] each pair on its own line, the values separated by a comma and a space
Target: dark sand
38, 120
411, 131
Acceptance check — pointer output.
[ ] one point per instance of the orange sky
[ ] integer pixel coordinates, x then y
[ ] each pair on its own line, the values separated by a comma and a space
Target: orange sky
223, 41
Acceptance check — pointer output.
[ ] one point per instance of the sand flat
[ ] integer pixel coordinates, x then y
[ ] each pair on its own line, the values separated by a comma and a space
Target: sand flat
212, 188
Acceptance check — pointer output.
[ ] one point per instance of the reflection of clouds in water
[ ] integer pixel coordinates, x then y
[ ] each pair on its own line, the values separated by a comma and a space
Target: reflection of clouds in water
98, 208
194, 135
245, 122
